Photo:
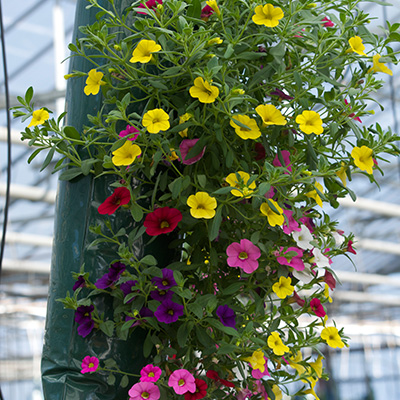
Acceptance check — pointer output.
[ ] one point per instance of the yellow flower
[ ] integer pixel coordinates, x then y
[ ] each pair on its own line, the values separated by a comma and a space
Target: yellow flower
204, 91
270, 115
342, 174
317, 366
294, 363
216, 40
173, 156
277, 392
313, 382
93, 82
257, 360
213, 4
272, 216
143, 52
245, 190
379, 67
253, 132
310, 122
363, 158
183, 118
267, 15
331, 336
326, 293
314, 194
38, 117
356, 46
202, 205
156, 120
283, 288
126, 154
276, 345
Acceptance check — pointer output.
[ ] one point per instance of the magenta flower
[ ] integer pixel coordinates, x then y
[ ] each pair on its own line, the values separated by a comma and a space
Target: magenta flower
352, 115
185, 146
150, 373
243, 255
144, 391
226, 316
328, 23
206, 12
152, 4
295, 262
317, 308
168, 312
182, 381
130, 131
286, 160
89, 364
293, 224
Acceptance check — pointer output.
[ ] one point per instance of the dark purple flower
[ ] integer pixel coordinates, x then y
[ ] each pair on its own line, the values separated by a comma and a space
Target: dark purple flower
227, 316
85, 328
83, 314
161, 295
111, 276
79, 283
282, 95
167, 281
126, 287
146, 312
168, 312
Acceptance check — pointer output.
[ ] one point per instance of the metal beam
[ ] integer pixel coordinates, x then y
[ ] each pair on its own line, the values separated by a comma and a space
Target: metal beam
378, 207
29, 239
29, 193
17, 266
15, 136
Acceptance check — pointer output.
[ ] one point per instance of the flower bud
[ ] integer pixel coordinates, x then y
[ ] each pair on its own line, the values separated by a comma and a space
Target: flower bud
117, 47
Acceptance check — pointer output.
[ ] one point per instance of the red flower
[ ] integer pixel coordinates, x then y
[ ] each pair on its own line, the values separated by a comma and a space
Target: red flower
214, 376
260, 151
201, 390
151, 4
350, 247
162, 220
298, 299
317, 308
352, 115
121, 196
329, 280
328, 23
206, 13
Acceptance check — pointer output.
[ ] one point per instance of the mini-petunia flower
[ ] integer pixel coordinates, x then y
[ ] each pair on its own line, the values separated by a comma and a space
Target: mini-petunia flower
331, 336
200, 392
257, 374
257, 360
38, 117
241, 183
166, 282
378, 66
267, 15
204, 91
291, 225
317, 307
185, 147
226, 316
79, 283
270, 115
329, 279
276, 345
313, 194
126, 154
320, 259
202, 205
356, 46
162, 220
211, 374
213, 4
206, 13
251, 132
150, 373
156, 120
144, 391
350, 247
89, 364
295, 262
303, 238
182, 119
120, 197
151, 4
273, 217
328, 23
286, 159
243, 255
83, 317
182, 381
129, 131
342, 173
310, 122
168, 312
144, 50
114, 273
363, 158
283, 287
93, 82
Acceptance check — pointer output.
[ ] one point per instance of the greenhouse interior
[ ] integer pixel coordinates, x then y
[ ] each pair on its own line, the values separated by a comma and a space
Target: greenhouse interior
366, 302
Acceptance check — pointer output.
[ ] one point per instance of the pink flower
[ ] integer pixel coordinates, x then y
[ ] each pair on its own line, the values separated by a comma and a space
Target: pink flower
352, 114
298, 299
286, 160
328, 23
293, 224
129, 131
152, 4
257, 374
350, 247
182, 381
243, 255
89, 364
295, 261
144, 391
187, 145
329, 280
317, 308
150, 373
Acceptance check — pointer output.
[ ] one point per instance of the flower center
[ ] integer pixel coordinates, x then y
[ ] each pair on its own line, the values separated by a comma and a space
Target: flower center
151, 374
243, 255
181, 382
91, 365
145, 395
165, 282
170, 311
331, 337
164, 224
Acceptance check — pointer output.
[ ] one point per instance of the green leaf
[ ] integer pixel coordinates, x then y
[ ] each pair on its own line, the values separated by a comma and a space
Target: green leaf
124, 381
70, 174
153, 271
71, 132
87, 165
148, 260
194, 9
48, 158
224, 190
233, 288
216, 223
203, 337
148, 345
107, 327
196, 309
29, 95
136, 212
33, 155
111, 379
182, 334
227, 348
202, 179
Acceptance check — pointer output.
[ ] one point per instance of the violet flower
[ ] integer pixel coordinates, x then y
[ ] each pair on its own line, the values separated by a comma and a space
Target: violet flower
112, 276
226, 316
166, 282
168, 312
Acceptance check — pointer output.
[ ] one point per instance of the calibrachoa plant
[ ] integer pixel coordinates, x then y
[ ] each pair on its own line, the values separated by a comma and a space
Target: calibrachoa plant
251, 125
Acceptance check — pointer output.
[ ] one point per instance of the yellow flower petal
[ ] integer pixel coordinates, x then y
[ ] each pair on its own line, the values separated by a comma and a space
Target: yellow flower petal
310, 122
126, 154
156, 120
202, 205
38, 117
144, 51
204, 91
363, 158
252, 132
267, 15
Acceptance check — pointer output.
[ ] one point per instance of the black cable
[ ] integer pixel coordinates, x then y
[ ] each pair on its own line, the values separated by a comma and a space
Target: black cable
7, 94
